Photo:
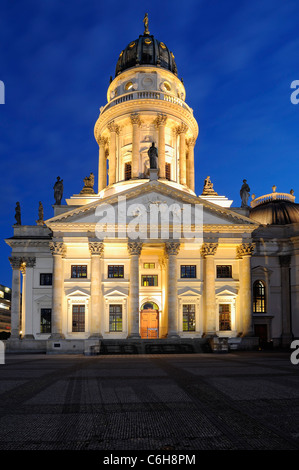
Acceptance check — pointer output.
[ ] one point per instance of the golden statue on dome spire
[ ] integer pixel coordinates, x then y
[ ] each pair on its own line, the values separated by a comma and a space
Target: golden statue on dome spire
145, 21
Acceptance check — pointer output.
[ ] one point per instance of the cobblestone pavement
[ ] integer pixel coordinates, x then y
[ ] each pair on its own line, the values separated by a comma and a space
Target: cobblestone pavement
243, 400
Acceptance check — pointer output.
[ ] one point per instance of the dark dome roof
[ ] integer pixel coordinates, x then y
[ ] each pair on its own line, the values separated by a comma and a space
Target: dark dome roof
279, 212
146, 50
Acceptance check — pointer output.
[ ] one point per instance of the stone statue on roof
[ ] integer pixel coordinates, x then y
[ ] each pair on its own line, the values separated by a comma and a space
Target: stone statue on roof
244, 193
153, 156
58, 191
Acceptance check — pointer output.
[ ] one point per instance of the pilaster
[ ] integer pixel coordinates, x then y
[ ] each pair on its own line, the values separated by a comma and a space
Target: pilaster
208, 252
172, 249
134, 249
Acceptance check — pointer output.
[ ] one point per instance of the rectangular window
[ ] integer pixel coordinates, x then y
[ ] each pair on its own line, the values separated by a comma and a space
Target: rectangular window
78, 320
224, 317
167, 171
188, 271
128, 171
189, 317
45, 279
224, 271
79, 271
45, 320
149, 280
115, 318
149, 265
115, 271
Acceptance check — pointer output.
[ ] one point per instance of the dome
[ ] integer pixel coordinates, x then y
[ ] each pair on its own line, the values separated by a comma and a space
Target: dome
146, 50
276, 212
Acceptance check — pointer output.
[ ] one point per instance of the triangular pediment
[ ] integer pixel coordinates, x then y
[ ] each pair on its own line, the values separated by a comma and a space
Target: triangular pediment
120, 293
148, 199
187, 292
76, 292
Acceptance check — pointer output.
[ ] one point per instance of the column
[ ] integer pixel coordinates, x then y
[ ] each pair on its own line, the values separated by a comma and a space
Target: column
160, 124
102, 172
135, 119
27, 305
181, 130
172, 250
58, 252
114, 130
96, 250
190, 176
134, 249
245, 251
208, 251
286, 335
15, 263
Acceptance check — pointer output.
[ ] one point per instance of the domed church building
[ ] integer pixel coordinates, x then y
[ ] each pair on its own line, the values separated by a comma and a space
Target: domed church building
138, 262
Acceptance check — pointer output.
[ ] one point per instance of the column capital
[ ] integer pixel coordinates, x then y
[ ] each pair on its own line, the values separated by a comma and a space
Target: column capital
15, 262
134, 248
209, 249
96, 248
172, 248
135, 119
102, 141
113, 127
29, 261
58, 248
191, 142
245, 249
160, 120
182, 129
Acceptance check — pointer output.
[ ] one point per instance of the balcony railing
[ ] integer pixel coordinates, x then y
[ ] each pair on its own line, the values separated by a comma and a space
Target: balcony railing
272, 197
146, 95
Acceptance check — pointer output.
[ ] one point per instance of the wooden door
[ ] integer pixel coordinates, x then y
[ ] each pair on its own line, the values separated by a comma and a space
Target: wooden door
149, 323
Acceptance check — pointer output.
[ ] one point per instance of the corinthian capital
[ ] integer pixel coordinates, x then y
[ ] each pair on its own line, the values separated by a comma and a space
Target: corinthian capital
29, 261
135, 119
160, 120
209, 249
182, 129
113, 127
57, 248
15, 262
172, 248
96, 248
246, 249
134, 248
191, 142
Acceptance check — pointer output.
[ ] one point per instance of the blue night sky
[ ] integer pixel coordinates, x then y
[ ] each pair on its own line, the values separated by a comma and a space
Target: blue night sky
237, 59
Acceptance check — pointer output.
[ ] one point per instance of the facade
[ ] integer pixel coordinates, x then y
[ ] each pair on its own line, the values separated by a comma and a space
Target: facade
142, 259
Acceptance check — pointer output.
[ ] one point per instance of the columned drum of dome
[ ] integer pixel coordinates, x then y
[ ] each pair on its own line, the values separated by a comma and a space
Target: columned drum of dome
145, 105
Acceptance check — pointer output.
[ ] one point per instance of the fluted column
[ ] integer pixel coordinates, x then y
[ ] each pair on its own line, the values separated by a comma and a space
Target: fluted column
134, 249
27, 313
190, 175
181, 130
58, 252
102, 172
208, 251
114, 130
15, 262
96, 250
172, 250
135, 119
286, 334
160, 123
244, 252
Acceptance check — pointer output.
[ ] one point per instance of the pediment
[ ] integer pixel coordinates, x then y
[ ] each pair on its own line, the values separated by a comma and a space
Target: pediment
76, 292
148, 200
120, 293
187, 292
226, 291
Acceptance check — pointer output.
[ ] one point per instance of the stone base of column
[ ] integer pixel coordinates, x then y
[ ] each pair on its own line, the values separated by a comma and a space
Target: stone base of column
56, 336
134, 336
173, 335
27, 337
95, 336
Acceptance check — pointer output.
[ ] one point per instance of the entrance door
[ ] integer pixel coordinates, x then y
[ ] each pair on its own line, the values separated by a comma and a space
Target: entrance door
149, 323
261, 332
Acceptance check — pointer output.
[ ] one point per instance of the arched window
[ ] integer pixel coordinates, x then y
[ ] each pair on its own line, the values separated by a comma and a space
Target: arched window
259, 297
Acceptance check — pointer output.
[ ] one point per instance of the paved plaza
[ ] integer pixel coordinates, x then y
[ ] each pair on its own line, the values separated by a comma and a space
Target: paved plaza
185, 403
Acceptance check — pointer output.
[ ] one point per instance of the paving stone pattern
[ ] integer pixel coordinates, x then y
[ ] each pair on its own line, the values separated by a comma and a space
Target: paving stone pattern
243, 400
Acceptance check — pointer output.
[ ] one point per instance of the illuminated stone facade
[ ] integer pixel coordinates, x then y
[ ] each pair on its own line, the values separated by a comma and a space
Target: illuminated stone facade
84, 284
